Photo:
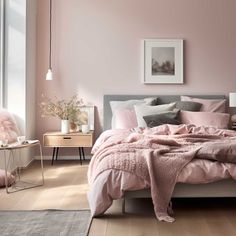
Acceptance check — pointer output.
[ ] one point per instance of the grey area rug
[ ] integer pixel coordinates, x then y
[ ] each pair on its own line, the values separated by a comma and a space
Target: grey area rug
45, 223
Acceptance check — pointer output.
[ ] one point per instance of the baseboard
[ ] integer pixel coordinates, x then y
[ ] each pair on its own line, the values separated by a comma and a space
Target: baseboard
87, 157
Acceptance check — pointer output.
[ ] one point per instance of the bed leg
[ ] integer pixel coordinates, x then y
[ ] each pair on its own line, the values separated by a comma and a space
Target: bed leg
123, 205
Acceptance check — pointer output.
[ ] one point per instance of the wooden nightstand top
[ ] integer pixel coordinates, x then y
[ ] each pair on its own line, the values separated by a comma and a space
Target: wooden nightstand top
58, 133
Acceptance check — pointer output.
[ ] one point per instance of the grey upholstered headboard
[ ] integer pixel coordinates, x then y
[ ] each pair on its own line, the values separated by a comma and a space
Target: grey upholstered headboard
107, 114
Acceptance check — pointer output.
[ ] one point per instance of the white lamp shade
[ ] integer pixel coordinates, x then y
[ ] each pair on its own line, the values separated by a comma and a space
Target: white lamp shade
49, 75
232, 99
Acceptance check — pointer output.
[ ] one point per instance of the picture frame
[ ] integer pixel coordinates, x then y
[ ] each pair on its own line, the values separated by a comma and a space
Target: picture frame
86, 116
163, 61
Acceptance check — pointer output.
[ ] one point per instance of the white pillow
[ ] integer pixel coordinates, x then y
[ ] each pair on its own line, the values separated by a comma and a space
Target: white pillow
128, 104
145, 110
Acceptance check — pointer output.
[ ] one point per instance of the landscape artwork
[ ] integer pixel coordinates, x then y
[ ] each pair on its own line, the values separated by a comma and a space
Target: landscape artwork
163, 61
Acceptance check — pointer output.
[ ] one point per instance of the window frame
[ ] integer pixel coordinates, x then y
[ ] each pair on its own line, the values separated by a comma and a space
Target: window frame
2, 51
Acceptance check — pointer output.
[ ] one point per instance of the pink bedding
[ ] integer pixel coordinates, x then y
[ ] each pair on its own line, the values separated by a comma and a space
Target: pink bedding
157, 158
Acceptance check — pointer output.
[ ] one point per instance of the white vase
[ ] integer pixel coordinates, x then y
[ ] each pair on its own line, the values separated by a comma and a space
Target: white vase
65, 126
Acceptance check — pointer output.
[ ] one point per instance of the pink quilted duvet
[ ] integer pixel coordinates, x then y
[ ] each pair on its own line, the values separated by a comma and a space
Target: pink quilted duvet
158, 158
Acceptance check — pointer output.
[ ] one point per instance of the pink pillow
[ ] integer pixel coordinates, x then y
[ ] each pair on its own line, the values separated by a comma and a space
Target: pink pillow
210, 105
125, 119
10, 178
8, 127
213, 119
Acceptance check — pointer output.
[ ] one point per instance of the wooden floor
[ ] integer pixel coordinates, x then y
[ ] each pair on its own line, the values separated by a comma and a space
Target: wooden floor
66, 187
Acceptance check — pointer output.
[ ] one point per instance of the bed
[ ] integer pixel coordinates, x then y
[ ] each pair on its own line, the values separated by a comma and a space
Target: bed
114, 179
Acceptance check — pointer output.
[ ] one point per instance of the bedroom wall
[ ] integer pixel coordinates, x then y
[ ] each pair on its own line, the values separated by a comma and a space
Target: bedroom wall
97, 48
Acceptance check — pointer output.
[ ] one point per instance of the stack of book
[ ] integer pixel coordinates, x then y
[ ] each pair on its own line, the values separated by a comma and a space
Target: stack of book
234, 125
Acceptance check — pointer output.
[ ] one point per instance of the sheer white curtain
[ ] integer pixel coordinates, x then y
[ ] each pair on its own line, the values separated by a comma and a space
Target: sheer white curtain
19, 73
2, 35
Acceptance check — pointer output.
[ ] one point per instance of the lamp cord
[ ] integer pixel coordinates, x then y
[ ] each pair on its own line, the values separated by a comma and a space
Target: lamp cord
50, 35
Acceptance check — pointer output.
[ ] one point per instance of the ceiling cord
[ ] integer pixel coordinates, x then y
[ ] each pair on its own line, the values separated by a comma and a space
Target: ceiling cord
50, 35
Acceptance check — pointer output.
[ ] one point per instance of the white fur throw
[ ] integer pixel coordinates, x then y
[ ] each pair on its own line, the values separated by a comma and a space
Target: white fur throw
10, 178
8, 128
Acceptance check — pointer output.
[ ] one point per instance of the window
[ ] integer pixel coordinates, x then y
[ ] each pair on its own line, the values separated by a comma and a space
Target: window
2, 36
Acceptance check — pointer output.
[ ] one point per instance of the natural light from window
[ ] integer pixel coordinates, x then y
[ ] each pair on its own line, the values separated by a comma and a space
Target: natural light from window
1, 50
15, 30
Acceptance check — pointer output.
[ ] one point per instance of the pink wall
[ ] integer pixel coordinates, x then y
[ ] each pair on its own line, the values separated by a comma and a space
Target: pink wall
97, 48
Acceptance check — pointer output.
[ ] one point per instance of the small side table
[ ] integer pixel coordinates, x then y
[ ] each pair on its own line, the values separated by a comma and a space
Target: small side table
57, 140
10, 155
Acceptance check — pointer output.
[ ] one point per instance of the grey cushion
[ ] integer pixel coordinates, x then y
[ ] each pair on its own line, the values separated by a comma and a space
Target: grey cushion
144, 110
170, 117
151, 101
188, 105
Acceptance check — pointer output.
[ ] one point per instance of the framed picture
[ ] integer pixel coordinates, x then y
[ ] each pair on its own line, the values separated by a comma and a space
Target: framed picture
86, 116
163, 61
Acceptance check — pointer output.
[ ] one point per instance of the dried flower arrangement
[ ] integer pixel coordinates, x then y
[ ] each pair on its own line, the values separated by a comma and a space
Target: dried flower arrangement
61, 108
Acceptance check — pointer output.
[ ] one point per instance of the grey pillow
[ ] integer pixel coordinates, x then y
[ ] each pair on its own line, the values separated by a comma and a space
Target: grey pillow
152, 101
144, 110
170, 117
188, 105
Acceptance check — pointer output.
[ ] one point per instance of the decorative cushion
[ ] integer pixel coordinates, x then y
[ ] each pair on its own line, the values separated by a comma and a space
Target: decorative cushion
209, 105
188, 105
128, 104
170, 117
8, 128
213, 119
125, 119
152, 101
145, 110
10, 178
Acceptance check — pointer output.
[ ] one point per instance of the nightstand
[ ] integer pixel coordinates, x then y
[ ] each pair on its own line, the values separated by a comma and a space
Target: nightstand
57, 140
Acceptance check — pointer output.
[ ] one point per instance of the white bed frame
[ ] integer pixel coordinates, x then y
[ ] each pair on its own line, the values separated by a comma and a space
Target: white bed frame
223, 188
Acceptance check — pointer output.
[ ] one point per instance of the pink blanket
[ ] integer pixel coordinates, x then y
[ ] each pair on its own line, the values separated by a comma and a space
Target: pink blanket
158, 155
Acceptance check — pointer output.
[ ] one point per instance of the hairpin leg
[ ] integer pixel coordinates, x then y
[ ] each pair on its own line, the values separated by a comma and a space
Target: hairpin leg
80, 155
57, 150
53, 154
83, 152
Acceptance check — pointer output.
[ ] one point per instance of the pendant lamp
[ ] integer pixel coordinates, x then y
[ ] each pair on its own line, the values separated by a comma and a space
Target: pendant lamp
49, 75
